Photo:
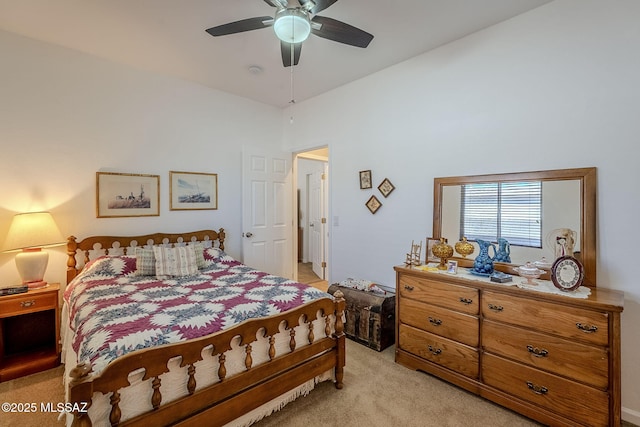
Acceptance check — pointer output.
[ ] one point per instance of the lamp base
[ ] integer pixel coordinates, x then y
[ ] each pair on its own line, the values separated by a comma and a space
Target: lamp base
31, 265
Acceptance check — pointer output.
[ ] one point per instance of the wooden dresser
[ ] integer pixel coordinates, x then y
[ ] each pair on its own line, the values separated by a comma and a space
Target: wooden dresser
552, 358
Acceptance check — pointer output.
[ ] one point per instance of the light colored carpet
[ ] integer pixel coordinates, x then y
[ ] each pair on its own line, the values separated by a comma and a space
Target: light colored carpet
377, 392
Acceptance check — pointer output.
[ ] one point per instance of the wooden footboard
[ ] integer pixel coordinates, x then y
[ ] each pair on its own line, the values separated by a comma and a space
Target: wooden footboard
230, 397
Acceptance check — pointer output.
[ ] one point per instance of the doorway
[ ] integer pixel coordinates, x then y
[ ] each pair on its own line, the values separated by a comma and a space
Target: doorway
312, 213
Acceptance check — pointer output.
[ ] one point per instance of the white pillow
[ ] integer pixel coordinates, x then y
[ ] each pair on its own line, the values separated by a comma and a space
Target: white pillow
180, 261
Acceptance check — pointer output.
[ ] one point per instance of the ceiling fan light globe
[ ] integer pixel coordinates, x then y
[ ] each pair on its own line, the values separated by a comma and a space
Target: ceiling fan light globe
292, 25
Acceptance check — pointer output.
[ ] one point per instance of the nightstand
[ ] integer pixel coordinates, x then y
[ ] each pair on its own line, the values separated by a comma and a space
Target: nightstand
29, 332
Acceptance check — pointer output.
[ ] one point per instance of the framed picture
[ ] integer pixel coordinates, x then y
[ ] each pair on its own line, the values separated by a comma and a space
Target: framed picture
123, 194
430, 257
193, 191
386, 187
365, 179
373, 204
452, 267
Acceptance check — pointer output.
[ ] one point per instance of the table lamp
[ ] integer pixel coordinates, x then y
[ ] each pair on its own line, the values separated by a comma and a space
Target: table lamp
29, 233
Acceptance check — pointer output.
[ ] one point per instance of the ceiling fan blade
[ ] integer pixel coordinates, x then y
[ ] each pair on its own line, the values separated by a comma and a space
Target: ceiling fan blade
320, 5
285, 48
340, 32
275, 3
241, 26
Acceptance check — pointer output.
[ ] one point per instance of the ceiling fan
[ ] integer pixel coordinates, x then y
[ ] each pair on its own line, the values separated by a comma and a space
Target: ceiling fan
293, 21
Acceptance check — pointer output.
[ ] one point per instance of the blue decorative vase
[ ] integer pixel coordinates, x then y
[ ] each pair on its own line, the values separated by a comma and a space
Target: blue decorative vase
504, 251
483, 264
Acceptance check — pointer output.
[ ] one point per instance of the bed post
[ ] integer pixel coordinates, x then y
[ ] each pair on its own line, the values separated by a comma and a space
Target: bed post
221, 236
72, 247
80, 395
340, 337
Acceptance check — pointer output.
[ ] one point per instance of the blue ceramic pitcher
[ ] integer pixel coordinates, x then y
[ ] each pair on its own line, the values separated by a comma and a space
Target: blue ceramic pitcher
504, 251
483, 264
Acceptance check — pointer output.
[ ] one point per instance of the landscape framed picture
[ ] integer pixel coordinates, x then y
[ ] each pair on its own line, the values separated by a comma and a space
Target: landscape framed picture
125, 195
193, 191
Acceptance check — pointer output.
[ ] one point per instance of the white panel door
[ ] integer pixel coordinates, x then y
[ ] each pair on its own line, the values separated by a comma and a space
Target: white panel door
267, 221
316, 223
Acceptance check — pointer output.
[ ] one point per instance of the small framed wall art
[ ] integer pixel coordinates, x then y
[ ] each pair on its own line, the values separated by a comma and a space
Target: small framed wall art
125, 195
193, 191
373, 204
365, 179
386, 187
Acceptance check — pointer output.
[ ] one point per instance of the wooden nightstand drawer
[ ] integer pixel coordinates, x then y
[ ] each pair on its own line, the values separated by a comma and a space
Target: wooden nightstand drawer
29, 332
27, 303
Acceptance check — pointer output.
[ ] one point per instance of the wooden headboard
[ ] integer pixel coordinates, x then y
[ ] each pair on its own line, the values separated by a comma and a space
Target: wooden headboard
95, 246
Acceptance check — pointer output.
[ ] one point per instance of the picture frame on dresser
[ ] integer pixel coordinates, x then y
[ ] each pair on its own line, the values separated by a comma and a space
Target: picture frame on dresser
193, 191
429, 256
121, 195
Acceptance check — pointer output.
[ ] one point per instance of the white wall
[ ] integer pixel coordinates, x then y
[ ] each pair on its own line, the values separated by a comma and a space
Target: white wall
66, 115
554, 88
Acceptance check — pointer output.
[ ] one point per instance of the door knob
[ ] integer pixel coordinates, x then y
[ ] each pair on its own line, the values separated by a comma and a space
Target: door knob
249, 234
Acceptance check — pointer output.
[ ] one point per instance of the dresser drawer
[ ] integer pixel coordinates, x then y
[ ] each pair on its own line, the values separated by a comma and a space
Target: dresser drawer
569, 322
450, 354
460, 298
583, 363
27, 303
586, 405
441, 321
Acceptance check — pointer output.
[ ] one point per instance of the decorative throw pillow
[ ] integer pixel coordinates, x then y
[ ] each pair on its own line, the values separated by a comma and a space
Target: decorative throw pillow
199, 249
145, 262
180, 261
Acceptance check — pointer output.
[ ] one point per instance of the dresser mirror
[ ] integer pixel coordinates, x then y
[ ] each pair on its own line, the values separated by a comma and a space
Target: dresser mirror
567, 202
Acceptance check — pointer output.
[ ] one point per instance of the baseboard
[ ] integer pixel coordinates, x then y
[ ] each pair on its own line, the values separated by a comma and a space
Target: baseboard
631, 416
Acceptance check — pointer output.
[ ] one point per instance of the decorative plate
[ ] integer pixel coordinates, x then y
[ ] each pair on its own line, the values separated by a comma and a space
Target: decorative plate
567, 273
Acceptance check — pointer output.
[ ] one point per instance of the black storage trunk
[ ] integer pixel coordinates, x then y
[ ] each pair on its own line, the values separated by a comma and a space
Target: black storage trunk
370, 317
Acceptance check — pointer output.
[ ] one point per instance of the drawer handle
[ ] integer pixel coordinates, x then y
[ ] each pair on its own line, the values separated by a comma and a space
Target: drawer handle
408, 288
466, 301
435, 322
495, 307
588, 329
29, 303
537, 352
435, 351
537, 389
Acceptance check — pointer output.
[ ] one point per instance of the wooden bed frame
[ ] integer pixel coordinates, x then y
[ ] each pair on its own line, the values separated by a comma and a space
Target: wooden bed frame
231, 397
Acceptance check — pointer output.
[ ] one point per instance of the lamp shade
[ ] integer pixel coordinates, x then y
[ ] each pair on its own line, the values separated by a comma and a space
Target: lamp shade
31, 231
292, 25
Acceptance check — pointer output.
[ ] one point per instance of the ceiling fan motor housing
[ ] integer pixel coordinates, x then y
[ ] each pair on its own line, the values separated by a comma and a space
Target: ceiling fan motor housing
292, 25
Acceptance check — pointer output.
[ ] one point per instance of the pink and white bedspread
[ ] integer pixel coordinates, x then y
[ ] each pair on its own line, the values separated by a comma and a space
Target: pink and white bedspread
114, 311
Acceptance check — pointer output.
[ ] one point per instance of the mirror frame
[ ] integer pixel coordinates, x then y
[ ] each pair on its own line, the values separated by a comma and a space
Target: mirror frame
587, 178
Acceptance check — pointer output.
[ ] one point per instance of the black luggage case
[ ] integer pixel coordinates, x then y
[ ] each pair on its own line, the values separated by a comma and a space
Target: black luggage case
370, 317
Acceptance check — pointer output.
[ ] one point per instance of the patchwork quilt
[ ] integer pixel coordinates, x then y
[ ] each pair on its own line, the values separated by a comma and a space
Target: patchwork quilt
114, 311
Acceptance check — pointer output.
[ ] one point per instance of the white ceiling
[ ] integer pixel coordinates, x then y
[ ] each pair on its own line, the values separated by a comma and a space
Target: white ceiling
168, 37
